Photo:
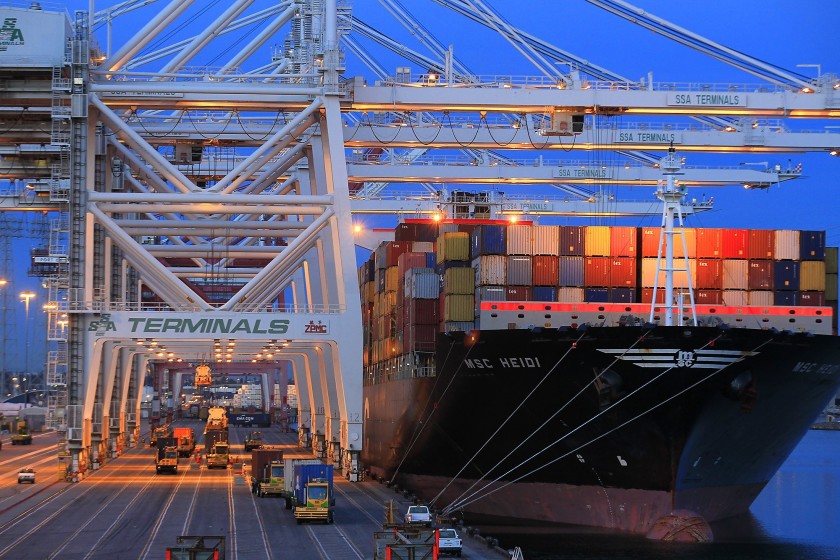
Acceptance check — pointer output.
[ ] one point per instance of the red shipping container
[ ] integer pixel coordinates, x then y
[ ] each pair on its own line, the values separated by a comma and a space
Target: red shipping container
622, 272
708, 297
760, 275
709, 274
735, 244
624, 241
647, 295
545, 270
709, 243
420, 312
394, 250
420, 338
408, 260
596, 272
761, 244
813, 299
518, 293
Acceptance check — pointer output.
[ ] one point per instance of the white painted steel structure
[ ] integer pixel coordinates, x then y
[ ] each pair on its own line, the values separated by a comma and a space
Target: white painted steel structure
206, 185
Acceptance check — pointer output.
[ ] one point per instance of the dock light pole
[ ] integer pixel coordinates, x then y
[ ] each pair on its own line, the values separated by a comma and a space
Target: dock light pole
26, 297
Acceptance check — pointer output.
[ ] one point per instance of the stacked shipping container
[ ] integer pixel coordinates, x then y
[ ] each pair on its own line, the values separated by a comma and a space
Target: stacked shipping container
413, 288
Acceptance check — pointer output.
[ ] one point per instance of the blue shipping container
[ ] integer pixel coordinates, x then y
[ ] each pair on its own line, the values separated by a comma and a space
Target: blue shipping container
488, 240
431, 260
786, 276
305, 473
785, 298
249, 419
811, 245
597, 295
571, 272
622, 295
545, 293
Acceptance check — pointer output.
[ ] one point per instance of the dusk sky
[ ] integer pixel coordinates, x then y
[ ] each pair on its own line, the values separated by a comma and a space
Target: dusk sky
783, 33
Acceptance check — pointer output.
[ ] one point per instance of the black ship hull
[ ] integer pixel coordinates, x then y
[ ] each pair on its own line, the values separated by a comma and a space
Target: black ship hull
611, 427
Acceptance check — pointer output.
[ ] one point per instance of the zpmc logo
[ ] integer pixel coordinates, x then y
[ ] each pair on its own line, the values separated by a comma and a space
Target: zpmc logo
10, 34
685, 358
316, 328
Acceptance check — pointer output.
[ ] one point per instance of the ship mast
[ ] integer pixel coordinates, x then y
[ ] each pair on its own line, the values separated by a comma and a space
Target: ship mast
672, 195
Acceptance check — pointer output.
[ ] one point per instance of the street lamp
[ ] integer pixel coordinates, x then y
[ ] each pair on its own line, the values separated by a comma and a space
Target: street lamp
26, 297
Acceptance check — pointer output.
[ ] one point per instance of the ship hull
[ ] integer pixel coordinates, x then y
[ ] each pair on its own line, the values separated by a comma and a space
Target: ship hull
612, 427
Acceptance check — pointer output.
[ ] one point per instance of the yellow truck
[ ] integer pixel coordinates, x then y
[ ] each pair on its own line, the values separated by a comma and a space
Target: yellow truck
219, 455
166, 459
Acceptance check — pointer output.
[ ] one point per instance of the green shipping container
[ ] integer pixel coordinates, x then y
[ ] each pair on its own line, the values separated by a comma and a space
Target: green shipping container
459, 281
458, 307
453, 246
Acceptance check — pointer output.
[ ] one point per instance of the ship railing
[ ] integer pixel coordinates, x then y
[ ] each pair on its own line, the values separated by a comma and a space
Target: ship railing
100, 306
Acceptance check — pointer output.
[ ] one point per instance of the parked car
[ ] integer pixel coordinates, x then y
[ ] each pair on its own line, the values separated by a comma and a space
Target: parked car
26, 475
449, 542
418, 515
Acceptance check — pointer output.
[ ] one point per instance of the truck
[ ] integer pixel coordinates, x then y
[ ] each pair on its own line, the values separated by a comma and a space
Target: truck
166, 458
219, 455
449, 542
290, 460
212, 437
313, 498
418, 515
22, 435
263, 480
186, 441
253, 440
163, 431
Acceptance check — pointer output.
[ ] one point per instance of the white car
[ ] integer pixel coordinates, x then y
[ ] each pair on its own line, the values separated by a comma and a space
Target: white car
26, 475
449, 542
418, 515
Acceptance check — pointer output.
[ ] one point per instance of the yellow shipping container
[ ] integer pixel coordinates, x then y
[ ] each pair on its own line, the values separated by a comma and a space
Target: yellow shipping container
597, 242
459, 307
392, 278
459, 281
812, 276
453, 246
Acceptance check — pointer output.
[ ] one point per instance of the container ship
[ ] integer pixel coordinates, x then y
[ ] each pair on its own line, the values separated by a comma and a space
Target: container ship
520, 374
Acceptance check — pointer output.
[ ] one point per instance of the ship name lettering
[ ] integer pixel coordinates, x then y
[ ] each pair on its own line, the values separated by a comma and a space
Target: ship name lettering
519, 362
811, 367
481, 363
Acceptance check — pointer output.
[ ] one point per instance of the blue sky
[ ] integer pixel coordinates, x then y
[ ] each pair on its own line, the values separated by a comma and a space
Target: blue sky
785, 33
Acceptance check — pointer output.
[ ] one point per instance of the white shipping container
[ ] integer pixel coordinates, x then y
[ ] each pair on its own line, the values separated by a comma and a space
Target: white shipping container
519, 271
546, 240
735, 274
422, 283
570, 295
490, 270
762, 298
422, 247
519, 241
786, 246
735, 297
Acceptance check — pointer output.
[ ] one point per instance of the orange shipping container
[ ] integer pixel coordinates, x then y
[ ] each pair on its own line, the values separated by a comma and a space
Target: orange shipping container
734, 244
680, 277
709, 243
545, 270
596, 272
650, 242
624, 241
708, 297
